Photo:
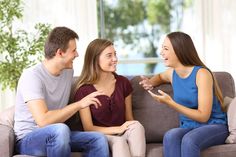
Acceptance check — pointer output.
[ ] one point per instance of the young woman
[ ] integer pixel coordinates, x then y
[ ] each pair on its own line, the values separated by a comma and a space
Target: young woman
197, 98
114, 118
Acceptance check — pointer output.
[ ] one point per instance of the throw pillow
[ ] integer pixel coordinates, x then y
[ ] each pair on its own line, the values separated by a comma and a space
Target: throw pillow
227, 101
231, 113
7, 117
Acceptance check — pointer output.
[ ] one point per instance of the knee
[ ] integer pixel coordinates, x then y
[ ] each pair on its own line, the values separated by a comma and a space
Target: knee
137, 126
61, 132
100, 138
170, 135
189, 142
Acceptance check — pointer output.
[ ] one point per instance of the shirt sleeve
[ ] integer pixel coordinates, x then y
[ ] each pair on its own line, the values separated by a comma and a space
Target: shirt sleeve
126, 85
30, 86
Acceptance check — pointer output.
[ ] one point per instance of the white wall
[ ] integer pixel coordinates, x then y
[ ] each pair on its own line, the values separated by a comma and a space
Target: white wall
213, 28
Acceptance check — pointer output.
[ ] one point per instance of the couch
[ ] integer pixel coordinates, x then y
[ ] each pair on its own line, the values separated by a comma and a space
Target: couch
156, 118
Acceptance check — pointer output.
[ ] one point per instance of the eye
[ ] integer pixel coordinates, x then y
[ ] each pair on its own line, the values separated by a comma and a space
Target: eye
109, 55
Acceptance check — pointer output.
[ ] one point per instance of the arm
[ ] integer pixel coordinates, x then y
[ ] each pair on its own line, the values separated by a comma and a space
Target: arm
86, 119
43, 116
128, 108
156, 80
204, 83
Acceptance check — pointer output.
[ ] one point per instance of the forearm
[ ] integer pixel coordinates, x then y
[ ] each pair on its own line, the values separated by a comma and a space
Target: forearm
59, 115
193, 114
106, 130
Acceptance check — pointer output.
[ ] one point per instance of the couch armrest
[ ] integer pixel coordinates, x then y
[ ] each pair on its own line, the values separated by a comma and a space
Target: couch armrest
7, 139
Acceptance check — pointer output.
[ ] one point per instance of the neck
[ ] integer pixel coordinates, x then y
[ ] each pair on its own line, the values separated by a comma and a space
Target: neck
52, 67
105, 77
184, 71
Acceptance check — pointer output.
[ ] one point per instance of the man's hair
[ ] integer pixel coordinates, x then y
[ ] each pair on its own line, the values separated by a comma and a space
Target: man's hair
58, 38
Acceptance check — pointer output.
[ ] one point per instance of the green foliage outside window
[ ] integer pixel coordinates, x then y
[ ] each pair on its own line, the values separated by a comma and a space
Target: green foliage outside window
19, 48
142, 21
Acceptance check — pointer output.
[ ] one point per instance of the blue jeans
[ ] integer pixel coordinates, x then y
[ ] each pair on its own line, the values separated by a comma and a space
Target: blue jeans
57, 140
182, 142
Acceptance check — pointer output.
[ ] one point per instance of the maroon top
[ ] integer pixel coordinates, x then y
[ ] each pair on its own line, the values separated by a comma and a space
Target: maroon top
112, 111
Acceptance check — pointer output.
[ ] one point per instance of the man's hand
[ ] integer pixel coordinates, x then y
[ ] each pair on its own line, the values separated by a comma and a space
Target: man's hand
91, 100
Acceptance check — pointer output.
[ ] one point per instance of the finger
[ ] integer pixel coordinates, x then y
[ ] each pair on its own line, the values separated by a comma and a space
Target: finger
143, 77
97, 93
96, 102
152, 94
161, 92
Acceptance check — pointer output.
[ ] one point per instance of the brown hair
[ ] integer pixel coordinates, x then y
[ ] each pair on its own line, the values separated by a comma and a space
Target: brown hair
188, 56
58, 38
91, 69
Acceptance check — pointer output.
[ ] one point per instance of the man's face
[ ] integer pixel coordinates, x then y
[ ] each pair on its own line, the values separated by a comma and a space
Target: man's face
70, 54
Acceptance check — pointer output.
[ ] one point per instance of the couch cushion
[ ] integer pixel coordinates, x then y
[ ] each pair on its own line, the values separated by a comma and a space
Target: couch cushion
156, 117
7, 117
231, 113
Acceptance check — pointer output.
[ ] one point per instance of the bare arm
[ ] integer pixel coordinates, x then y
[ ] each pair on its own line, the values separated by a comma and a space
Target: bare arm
205, 96
128, 108
43, 116
156, 80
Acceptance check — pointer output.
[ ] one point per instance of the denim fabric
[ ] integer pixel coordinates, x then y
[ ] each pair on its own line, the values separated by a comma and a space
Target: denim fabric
57, 140
185, 142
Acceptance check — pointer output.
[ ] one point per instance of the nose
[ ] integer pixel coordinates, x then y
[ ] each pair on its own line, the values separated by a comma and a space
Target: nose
76, 54
114, 58
161, 53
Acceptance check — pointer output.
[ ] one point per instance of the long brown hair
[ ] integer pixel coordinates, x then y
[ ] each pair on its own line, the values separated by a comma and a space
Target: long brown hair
91, 69
188, 56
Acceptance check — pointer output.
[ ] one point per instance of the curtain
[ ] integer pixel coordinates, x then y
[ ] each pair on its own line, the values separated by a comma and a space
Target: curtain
212, 25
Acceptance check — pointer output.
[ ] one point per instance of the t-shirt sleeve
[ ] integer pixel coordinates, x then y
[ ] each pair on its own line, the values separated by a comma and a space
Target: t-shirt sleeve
30, 86
126, 85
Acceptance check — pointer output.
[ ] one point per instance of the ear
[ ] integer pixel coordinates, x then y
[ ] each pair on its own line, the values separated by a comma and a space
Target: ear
59, 52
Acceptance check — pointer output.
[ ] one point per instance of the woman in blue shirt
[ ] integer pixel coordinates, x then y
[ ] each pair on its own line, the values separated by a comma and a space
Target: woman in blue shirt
197, 97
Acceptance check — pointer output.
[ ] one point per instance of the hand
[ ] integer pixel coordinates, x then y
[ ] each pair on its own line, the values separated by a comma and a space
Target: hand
145, 82
163, 97
91, 100
124, 127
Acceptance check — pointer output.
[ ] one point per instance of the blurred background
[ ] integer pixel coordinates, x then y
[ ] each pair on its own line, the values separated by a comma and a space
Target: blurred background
137, 28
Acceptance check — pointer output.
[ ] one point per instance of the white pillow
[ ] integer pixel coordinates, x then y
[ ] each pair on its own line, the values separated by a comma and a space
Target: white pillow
7, 116
231, 113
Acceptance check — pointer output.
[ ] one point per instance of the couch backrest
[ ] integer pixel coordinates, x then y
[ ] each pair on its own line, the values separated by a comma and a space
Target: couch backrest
157, 118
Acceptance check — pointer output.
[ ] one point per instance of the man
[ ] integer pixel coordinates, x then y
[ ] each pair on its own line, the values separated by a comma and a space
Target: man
41, 104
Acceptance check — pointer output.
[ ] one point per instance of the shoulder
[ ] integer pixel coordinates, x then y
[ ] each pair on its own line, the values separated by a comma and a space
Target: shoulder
31, 72
203, 72
167, 75
83, 91
121, 77
86, 89
203, 75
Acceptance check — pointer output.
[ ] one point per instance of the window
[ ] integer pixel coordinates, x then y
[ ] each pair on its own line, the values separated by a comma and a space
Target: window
136, 27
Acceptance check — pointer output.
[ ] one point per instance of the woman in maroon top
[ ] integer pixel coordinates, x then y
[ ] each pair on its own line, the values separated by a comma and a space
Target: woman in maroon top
114, 118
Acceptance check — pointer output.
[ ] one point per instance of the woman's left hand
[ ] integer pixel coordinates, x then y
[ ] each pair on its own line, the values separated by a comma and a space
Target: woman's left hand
163, 97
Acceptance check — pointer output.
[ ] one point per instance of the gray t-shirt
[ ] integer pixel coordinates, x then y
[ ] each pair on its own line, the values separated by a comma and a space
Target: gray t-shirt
37, 83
